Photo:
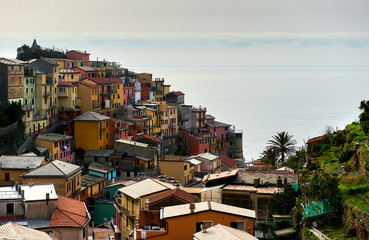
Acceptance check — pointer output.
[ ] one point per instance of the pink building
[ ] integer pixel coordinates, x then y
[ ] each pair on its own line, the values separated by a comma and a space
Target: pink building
194, 143
78, 55
117, 130
221, 131
58, 146
128, 93
87, 71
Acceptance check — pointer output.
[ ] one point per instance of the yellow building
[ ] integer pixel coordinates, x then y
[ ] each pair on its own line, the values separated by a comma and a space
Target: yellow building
92, 188
65, 176
88, 93
68, 75
91, 131
13, 166
132, 199
151, 114
67, 95
58, 146
177, 167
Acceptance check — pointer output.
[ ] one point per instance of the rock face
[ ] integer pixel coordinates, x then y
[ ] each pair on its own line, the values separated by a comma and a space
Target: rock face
356, 219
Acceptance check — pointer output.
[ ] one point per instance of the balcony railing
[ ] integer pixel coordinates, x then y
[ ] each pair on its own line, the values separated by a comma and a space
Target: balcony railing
48, 94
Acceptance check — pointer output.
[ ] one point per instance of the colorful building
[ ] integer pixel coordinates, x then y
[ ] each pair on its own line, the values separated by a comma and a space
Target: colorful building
88, 94
67, 96
58, 146
177, 167
11, 80
29, 99
184, 220
91, 131
65, 176
78, 55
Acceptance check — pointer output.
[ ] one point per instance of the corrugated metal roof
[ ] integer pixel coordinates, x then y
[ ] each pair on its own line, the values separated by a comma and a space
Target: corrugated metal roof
145, 187
221, 232
184, 209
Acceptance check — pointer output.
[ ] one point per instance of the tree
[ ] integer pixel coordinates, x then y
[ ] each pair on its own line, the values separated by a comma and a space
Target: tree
322, 186
270, 155
283, 143
282, 203
364, 116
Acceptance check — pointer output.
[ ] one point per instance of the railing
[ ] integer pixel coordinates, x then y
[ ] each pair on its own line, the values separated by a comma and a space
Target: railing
48, 94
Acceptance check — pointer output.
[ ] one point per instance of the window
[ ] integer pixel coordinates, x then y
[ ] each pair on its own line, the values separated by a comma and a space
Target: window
31, 90
72, 76
33, 101
185, 167
238, 225
62, 90
25, 101
12, 80
10, 209
107, 124
20, 80
56, 144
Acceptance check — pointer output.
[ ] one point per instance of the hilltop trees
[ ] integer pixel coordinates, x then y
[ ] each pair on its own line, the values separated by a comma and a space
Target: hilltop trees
364, 116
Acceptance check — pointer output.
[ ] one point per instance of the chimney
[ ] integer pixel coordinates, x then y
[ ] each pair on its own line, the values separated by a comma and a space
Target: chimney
256, 182
16, 186
279, 182
192, 207
285, 182
47, 198
22, 193
203, 227
12, 182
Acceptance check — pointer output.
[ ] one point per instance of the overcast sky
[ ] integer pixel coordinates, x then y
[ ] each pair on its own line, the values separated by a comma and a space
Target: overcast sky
178, 32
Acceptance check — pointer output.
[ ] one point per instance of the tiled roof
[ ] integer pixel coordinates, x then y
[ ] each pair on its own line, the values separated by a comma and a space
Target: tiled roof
100, 153
89, 180
174, 158
268, 177
206, 156
91, 116
54, 137
216, 176
145, 187
178, 193
316, 139
228, 161
217, 124
67, 84
20, 162
11, 61
88, 84
49, 61
69, 213
101, 80
178, 93
14, 231
149, 137
248, 188
78, 51
55, 168
221, 232
100, 167
184, 209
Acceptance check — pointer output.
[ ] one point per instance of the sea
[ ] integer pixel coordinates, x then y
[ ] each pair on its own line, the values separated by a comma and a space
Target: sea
264, 100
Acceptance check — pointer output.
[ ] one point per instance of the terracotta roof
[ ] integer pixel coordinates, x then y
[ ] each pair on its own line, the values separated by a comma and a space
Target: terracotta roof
178, 93
69, 213
149, 137
316, 139
78, 51
228, 161
88, 84
178, 193
101, 80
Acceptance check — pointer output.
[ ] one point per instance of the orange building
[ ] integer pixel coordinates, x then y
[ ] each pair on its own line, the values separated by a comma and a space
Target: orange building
184, 220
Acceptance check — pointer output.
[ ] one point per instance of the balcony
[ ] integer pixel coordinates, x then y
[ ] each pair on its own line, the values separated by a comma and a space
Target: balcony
47, 94
28, 107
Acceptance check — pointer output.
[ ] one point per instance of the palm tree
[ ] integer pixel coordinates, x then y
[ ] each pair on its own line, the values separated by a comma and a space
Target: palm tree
270, 155
283, 143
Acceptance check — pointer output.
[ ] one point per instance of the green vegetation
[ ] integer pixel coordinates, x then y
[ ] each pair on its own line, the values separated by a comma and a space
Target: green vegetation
10, 113
283, 202
283, 143
26, 53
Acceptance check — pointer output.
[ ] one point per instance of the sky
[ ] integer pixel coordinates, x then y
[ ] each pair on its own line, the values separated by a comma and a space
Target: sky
167, 32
